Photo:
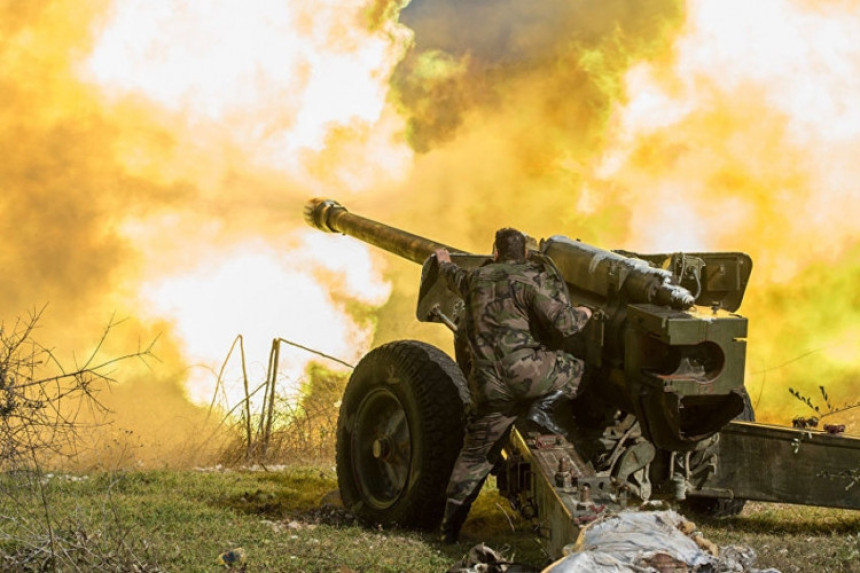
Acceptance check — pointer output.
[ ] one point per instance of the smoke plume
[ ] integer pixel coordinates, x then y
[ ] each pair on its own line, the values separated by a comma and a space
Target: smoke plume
158, 154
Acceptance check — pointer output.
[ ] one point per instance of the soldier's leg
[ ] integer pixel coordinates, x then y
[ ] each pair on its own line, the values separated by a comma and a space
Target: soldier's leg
539, 373
554, 377
481, 446
542, 413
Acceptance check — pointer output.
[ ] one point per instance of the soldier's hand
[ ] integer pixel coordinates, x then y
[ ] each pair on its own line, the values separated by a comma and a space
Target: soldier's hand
443, 256
585, 310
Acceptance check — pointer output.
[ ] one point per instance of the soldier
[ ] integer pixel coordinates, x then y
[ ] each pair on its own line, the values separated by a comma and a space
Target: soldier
512, 373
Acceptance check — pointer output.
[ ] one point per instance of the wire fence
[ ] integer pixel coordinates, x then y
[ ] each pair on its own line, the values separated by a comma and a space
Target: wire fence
272, 427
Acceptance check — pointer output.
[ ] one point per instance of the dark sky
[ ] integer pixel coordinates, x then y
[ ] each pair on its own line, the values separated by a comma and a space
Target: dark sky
491, 30
571, 53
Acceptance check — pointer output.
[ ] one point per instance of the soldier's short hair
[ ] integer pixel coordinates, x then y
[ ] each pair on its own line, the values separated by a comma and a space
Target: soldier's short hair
510, 244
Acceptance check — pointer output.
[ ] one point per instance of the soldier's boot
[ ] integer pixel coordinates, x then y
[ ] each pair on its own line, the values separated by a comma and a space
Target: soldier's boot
453, 519
541, 412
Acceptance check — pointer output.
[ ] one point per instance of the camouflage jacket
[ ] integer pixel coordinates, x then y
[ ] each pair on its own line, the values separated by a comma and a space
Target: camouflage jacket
502, 300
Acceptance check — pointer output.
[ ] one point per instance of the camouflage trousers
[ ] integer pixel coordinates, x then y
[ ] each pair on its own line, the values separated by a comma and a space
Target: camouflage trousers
497, 402
522, 377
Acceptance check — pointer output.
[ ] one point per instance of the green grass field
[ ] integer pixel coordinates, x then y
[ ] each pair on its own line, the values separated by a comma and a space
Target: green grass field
183, 520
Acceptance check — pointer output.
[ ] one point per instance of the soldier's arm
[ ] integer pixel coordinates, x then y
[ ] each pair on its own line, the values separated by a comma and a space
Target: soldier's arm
554, 310
455, 276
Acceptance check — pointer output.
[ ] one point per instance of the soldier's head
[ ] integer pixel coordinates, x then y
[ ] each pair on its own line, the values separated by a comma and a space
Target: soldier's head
510, 245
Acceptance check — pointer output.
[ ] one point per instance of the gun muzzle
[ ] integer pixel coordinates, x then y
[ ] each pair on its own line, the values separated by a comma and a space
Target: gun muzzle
332, 217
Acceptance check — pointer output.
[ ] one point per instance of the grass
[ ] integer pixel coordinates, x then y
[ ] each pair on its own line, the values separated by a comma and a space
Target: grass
183, 520
793, 538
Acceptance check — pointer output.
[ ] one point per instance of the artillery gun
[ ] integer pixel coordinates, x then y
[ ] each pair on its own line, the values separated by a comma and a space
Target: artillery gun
662, 411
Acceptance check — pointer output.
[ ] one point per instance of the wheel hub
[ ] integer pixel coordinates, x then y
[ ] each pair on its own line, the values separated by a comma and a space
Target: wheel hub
382, 448
381, 443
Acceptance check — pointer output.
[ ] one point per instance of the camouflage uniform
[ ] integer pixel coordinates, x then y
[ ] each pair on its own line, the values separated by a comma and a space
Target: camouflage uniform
506, 302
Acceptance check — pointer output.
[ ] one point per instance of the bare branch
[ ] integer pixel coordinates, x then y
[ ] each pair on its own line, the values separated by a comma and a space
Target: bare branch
40, 400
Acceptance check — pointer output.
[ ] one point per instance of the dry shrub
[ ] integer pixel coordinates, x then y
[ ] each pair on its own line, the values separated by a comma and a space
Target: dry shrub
303, 430
40, 403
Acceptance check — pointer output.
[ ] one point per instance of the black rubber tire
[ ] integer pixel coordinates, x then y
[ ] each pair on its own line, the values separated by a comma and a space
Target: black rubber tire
399, 431
718, 507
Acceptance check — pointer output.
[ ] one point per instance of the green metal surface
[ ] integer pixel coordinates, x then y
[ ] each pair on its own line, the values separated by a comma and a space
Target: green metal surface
561, 488
773, 463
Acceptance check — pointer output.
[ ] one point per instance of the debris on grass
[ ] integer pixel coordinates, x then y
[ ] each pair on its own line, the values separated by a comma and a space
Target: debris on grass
232, 558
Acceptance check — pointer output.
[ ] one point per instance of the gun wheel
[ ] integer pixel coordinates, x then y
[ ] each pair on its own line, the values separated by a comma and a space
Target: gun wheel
400, 429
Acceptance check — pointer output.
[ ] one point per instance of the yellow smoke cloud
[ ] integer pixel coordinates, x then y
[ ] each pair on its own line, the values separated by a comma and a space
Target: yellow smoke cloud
157, 161
63, 198
158, 156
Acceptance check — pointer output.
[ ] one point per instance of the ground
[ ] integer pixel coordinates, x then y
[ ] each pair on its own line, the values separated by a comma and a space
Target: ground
283, 520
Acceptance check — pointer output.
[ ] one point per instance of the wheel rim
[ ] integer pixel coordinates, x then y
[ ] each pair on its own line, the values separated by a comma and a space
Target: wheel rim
381, 448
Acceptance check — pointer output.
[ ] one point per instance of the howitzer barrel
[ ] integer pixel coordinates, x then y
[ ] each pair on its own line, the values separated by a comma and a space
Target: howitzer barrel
330, 216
